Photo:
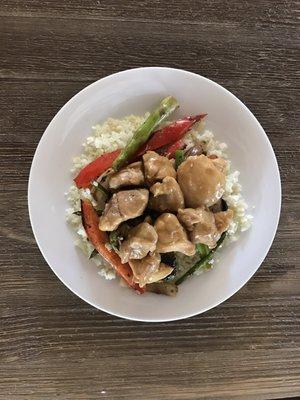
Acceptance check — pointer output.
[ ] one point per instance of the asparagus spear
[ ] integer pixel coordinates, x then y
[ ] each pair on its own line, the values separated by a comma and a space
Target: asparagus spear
142, 134
202, 262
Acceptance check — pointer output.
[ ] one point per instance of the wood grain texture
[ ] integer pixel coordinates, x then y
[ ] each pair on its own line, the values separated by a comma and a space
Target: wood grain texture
52, 345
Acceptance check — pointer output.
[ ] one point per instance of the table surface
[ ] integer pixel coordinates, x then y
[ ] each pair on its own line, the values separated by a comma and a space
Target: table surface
52, 344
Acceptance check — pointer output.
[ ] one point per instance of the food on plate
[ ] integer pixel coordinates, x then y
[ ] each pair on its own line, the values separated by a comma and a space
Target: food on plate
144, 131
149, 269
157, 167
205, 226
172, 236
166, 195
140, 241
154, 200
202, 180
123, 205
131, 175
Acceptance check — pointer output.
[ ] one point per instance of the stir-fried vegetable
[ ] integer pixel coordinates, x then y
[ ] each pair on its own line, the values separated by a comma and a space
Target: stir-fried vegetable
95, 169
170, 133
142, 134
202, 262
173, 147
100, 188
169, 289
99, 240
195, 150
114, 240
100, 194
179, 158
202, 249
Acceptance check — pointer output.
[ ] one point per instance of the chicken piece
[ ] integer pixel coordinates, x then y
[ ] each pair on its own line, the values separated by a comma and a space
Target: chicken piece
210, 234
123, 205
189, 217
162, 272
201, 224
157, 167
166, 196
201, 182
131, 175
223, 220
220, 164
172, 236
140, 241
149, 269
205, 226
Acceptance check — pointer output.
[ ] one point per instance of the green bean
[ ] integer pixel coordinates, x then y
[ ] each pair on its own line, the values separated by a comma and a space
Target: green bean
202, 249
202, 262
143, 133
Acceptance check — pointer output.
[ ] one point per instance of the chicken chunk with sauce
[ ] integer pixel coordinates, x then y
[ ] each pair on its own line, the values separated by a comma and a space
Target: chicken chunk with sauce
172, 236
205, 226
140, 241
223, 220
149, 269
157, 167
166, 196
220, 164
202, 180
189, 217
124, 205
131, 175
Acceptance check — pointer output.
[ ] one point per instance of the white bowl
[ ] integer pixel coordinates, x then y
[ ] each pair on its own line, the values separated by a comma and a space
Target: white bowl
135, 92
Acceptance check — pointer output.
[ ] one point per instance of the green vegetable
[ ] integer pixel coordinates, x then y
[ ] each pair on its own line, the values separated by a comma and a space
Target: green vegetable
143, 133
202, 249
98, 187
114, 240
202, 262
100, 194
179, 158
181, 264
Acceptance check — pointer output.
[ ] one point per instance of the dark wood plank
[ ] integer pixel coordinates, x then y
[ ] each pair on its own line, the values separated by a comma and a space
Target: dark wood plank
83, 50
52, 345
192, 12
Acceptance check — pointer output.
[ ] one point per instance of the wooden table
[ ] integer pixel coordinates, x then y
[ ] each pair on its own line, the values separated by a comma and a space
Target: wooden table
53, 345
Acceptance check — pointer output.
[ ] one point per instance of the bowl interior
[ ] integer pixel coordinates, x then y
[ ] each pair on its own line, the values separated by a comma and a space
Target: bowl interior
135, 92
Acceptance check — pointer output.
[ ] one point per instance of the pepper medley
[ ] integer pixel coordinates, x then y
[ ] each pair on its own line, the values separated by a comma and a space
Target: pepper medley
156, 199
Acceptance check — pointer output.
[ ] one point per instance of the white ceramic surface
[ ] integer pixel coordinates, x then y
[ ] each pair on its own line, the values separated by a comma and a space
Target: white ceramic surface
137, 91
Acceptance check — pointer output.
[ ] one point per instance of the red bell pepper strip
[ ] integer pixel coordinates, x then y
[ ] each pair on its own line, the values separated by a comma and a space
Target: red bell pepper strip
169, 134
90, 222
170, 150
94, 169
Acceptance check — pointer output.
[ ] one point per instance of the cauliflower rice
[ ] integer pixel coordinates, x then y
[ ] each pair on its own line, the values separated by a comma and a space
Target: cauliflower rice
114, 134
